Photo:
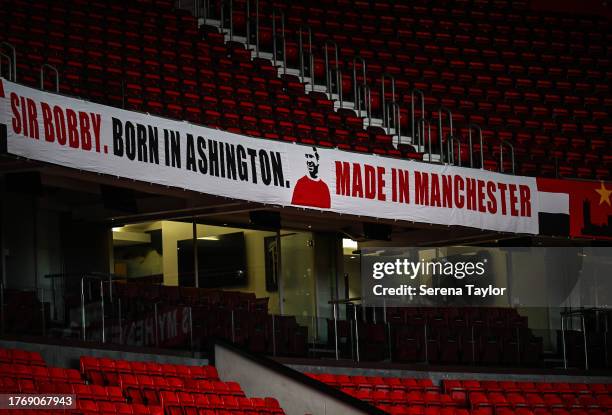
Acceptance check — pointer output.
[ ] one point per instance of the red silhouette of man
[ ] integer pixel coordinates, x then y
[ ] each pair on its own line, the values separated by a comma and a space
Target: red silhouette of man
310, 190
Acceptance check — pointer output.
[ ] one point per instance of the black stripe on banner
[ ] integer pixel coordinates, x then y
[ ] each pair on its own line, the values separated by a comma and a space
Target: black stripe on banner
557, 224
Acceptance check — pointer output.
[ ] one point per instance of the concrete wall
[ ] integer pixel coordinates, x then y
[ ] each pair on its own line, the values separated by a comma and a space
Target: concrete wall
258, 380
68, 356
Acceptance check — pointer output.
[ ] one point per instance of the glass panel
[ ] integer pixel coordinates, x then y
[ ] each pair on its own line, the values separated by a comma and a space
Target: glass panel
297, 273
138, 251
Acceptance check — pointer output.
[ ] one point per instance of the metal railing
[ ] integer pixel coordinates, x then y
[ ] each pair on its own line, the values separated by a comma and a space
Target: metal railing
501, 155
363, 102
449, 121
454, 141
386, 76
229, 15
10, 65
13, 59
474, 126
275, 39
364, 82
249, 23
303, 63
425, 132
335, 69
42, 76
395, 119
416, 137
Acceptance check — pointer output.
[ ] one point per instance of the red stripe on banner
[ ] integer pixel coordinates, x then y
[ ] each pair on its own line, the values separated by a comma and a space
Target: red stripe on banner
1, 89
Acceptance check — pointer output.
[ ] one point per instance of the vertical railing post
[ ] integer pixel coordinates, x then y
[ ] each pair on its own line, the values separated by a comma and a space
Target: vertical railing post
42, 76
120, 322
14, 60
10, 65
457, 141
385, 114
356, 332
426, 345
249, 24
42, 311
473, 346
233, 327
301, 29
476, 127
83, 308
518, 345
2, 303
156, 325
257, 28
231, 19
102, 310
441, 129
273, 336
359, 59
397, 120
501, 155
425, 133
563, 341
190, 329
335, 309
336, 69
275, 40
413, 94
584, 338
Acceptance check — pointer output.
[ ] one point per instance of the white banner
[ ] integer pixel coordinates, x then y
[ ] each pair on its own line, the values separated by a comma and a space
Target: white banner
96, 138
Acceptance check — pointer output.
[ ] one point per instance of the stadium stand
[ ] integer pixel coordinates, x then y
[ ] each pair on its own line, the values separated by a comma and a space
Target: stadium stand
525, 84
236, 316
486, 84
421, 396
107, 386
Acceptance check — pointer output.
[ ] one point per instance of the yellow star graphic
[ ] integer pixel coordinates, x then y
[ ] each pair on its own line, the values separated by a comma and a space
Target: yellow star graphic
604, 194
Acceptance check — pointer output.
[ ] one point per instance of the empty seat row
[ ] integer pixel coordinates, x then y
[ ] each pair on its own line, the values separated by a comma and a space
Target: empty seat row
55, 374
375, 382
23, 357
534, 400
187, 404
450, 385
106, 365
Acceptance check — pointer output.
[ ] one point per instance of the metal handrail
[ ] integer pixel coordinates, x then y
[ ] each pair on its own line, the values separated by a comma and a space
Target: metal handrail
274, 39
501, 155
328, 78
426, 134
248, 26
14, 60
476, 127
205, 8
367, 102
397, 119
339, 86
413, 121
356, 59
42, 76
231, 18
384, 76
441, 129
10, 65
196, 8
455, 140
301, 29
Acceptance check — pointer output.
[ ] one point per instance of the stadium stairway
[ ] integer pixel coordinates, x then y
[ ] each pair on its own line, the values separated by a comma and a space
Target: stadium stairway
545, 107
